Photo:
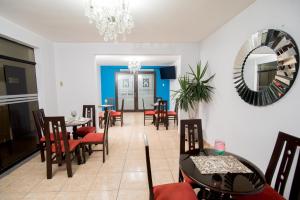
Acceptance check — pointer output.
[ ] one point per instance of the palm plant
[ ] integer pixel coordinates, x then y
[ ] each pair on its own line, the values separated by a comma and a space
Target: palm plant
194, 88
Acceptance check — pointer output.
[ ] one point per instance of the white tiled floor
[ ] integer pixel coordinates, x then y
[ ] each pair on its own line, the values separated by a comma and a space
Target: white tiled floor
122, 176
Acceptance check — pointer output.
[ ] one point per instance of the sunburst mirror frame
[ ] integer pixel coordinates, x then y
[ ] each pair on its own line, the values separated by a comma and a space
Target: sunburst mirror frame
287, 66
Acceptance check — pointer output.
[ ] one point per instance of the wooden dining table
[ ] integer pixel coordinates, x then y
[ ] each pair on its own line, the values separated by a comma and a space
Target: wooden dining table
223, 185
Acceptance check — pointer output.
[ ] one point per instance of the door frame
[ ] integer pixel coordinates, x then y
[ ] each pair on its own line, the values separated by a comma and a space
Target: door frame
135, 88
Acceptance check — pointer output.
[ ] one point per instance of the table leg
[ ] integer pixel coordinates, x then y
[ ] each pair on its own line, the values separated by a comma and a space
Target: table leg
75, 136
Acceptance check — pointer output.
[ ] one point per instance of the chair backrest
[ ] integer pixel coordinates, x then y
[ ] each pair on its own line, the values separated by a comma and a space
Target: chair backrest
291, 143
143, 105
90, 112
122, 107
191, 129
149, 174
162, 109
111, 101
57, 127
157, 99
38, 116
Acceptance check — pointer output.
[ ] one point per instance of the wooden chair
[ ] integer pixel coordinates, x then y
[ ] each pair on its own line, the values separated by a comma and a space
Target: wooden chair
118, 115
39, 124
191, 142
173, 115
60, 149
156, 100
38, 116
97, 138
90, 112
290, 144
101, 119
148, 114
172, 191
161, 117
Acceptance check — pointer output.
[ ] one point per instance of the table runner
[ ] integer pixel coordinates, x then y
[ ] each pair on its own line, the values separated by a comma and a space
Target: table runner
219, 164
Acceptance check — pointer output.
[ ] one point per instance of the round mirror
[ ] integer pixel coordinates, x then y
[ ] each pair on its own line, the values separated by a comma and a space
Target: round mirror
266, 67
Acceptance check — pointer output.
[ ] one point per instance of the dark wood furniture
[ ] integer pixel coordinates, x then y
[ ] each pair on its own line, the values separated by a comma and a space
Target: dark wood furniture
191, 143
118, 115
223, 186
173, 115
60, 149
148, 114
39, 124
172, 191
287, 146
97, 138
88, 111
161, 116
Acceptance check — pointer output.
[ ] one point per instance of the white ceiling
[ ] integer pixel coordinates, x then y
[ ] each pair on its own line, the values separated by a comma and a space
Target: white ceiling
146, 60
155, 20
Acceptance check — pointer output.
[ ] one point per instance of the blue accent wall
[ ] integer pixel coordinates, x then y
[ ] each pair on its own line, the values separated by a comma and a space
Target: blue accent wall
107, 79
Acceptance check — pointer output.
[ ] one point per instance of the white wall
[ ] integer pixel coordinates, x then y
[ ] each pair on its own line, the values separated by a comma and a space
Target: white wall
44, 57
76, 68
249, 130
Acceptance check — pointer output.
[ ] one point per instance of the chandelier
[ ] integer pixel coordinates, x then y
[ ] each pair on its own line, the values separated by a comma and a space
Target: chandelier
134, 66
110, 20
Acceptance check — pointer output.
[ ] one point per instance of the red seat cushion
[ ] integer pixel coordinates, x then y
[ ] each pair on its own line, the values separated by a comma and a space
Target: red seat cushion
43, 139
174, 191
93, 138
149, 112
268, 193
115, 114
85, 130
171, 113
72, 145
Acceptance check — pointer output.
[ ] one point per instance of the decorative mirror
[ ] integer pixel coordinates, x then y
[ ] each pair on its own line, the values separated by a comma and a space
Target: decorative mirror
266, 67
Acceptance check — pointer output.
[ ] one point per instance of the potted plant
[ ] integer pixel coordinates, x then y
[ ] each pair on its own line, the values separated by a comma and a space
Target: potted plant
194, 88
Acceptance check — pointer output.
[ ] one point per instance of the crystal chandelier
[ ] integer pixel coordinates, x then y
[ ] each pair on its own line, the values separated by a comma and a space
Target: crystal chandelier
134, 66
110, 20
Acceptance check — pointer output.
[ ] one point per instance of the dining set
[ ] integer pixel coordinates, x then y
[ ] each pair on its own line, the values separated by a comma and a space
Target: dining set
160, 114
60, 147
227, 175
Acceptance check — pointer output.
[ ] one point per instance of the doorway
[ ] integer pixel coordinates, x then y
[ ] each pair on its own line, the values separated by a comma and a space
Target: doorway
133, 88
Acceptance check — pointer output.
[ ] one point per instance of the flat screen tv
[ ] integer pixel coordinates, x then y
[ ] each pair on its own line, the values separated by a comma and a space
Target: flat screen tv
168, 72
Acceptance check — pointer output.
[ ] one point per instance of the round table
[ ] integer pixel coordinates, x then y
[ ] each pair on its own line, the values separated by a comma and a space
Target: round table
106, 106
76, 122
223, 186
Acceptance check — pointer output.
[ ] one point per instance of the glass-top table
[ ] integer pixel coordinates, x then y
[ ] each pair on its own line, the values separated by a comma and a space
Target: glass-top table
225, 185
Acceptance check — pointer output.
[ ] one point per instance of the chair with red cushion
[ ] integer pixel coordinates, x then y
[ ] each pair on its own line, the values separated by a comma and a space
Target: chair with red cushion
38, 116
289, 144
148, 114
172, 191
60, 149
117, 115
161, 116
97, 138
88, 111
191, 142
173, 115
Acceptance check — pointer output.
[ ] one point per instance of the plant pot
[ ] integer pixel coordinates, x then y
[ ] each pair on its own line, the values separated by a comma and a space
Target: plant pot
194, 112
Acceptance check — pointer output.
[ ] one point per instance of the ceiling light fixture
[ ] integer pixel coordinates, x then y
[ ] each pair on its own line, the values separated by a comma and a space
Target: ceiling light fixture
110, 20
134, 66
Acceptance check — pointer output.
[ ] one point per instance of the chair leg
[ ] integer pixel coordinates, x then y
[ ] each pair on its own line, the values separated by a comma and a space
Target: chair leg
42, 151
69, 165
83, 152
49, 165
77, 153
90, 149
103, 152
144, 121
107, 147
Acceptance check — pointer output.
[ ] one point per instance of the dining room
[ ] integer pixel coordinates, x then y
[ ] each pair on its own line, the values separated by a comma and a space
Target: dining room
175, 100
